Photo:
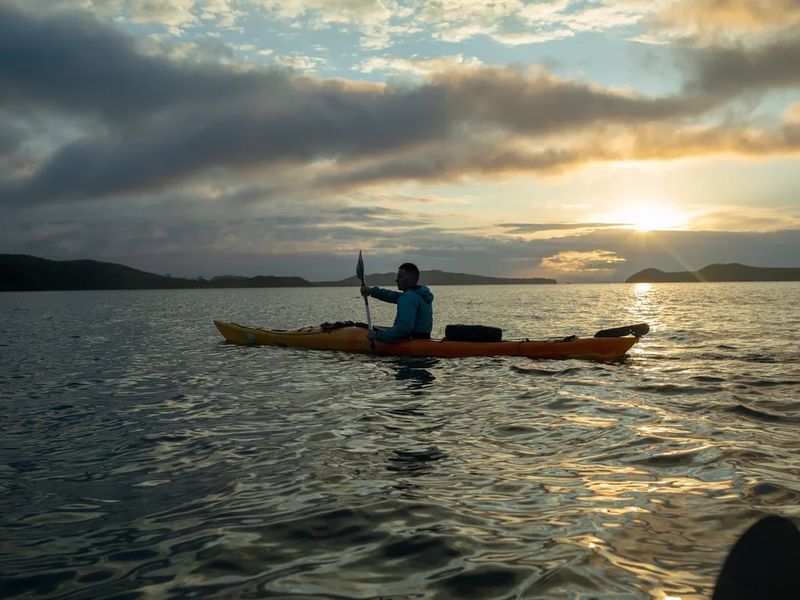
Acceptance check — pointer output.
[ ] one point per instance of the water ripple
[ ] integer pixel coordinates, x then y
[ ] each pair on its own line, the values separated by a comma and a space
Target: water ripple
141, 457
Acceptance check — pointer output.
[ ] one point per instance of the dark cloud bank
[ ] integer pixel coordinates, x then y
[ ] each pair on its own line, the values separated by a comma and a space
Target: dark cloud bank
155, 122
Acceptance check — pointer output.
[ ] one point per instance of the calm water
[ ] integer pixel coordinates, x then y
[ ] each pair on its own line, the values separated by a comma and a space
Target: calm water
140, 457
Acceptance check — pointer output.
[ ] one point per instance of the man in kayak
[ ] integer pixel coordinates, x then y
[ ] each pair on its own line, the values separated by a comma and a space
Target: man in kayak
414, 306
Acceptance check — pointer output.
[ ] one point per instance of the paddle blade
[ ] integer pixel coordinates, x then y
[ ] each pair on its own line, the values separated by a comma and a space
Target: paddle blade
360, 267
762, 564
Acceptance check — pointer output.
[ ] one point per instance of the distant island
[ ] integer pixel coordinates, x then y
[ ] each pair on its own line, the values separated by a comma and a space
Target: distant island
435, 277
718, 272
22, 273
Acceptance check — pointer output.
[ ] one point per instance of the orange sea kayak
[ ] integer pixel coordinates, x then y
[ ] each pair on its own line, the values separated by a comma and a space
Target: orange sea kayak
354, 339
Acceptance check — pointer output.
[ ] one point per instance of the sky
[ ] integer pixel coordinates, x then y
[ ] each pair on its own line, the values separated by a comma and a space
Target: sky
579, 140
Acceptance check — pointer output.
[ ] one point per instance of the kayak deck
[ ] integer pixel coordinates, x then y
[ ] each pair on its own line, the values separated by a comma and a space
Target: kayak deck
354, 339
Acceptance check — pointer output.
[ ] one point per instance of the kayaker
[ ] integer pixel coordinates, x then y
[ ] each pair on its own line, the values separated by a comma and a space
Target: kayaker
414, 306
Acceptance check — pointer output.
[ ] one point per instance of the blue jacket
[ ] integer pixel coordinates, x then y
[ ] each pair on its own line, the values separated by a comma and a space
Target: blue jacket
414, 312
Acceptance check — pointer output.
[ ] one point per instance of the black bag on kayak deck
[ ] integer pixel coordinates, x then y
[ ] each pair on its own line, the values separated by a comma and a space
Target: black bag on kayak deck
472, 333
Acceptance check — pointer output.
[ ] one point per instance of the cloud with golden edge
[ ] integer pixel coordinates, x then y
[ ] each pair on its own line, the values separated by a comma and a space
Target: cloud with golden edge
574, 261
725, 19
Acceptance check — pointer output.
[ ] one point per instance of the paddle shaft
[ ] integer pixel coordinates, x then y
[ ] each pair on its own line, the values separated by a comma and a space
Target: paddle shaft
369, 317
360, 275
369, 321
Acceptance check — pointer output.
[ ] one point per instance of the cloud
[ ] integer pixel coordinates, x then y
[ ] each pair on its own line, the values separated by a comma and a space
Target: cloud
655, 141
382, 24
174, 15
523, 228
508, 22
658, 142
731, 218
513, 23
725, 19
296, 60
152, 122
448, 161
535, 101
11, 136
200, 50
731, 47
15, 158
193, 235
593, 261
73, 63
363, 12
417, 65
163, 121
602, 16
738, 68
379, 24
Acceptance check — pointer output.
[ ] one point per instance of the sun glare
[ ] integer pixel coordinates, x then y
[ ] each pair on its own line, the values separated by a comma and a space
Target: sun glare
650, 217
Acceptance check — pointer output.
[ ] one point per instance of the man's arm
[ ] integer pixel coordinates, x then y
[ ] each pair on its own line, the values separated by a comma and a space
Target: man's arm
385, 295
403, 322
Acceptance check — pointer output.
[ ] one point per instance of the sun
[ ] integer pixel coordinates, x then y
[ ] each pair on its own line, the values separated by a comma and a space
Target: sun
650, 217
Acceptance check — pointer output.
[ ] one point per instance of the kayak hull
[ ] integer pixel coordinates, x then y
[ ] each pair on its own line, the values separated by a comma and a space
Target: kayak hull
354, 339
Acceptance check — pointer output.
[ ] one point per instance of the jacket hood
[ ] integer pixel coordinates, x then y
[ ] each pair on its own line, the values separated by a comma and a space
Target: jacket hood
423, 292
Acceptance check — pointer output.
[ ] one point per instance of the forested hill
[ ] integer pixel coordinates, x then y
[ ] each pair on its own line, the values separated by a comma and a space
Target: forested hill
718, 272
20, 272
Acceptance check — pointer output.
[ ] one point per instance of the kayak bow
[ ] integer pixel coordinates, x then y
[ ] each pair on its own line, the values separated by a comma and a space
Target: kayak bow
354, 339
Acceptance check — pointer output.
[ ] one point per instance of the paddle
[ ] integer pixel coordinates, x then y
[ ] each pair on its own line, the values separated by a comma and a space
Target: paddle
360, 275
762, 564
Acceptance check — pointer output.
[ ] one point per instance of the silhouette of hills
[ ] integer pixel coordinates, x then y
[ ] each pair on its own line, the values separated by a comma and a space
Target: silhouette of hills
436, 277
717, 272
20, 272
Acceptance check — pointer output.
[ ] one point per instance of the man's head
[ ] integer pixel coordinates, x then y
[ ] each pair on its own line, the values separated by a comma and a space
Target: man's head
407, 276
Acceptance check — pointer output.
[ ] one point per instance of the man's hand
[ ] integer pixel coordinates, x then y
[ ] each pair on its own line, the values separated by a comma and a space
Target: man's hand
365, 290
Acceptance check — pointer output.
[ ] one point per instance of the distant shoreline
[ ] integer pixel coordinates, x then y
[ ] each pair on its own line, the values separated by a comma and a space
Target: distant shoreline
21, 273
24, 273
717, 273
